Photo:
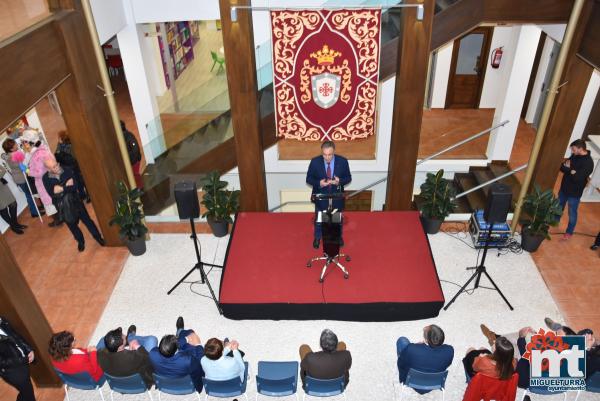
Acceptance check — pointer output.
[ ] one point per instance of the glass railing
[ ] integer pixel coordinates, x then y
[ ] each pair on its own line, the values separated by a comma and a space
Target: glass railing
18, 15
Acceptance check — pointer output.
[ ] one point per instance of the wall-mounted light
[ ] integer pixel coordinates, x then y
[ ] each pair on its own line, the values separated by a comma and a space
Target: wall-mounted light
420, 12
233, 14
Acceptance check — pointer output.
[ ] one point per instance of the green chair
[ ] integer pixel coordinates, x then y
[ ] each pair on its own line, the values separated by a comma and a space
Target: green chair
217, 60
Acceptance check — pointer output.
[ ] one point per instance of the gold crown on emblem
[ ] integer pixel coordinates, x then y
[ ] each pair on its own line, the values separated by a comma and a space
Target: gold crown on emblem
325, 56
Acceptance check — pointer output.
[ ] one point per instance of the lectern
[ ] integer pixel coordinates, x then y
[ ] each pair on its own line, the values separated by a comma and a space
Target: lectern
331, 226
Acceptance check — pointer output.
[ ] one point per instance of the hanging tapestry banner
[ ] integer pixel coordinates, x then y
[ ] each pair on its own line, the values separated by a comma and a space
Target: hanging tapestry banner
325, 73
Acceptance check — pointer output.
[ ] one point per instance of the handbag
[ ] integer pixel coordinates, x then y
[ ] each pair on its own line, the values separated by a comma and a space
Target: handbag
69, 207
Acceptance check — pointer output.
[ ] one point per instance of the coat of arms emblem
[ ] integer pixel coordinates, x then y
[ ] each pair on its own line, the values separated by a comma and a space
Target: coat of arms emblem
329, 82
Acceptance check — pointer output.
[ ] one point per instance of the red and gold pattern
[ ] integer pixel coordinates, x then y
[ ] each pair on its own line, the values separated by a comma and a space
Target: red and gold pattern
325, 73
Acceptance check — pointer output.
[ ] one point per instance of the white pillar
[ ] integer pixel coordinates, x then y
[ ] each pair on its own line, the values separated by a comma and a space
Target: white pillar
520, 53
137, 66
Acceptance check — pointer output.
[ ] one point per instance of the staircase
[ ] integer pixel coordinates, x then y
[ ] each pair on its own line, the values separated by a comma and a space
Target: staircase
477, 176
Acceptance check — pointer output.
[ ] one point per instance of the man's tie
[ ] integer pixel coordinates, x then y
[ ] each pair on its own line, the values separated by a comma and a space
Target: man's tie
329, 170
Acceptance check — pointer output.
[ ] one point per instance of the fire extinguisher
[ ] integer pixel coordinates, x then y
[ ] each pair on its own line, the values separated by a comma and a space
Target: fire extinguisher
496, 57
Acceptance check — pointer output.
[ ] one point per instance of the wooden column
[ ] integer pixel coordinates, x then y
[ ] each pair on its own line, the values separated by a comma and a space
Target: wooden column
238, 42
575, 78
87, 117
19, 306
409, 96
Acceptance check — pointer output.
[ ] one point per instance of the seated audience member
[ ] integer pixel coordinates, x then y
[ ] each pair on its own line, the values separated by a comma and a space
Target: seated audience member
148, 342
70, 360
431, 355
331, 362
524, 337
222, 360
500, 364
15, 357
117, 360
179, 355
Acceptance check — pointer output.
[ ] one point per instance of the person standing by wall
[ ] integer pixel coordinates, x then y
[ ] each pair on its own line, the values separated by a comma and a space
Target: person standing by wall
576, 171
38, 154
65, 156
8, 205
11, 159
15, 357
135, 154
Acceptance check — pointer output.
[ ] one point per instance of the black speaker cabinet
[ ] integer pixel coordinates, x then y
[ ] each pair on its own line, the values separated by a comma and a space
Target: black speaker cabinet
498, 203
186, 196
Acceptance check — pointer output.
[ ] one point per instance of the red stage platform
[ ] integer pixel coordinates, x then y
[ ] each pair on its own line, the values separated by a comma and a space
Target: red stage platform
392, 271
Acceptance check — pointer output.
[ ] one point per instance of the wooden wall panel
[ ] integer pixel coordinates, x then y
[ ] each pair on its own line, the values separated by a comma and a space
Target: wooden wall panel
456, 20
532, 11
32, 65
589, 49
238, 42
89, 123
19, 306
408, 106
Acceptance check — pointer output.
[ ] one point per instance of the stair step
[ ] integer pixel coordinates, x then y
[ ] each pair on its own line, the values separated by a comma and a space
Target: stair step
482, 176
476, 199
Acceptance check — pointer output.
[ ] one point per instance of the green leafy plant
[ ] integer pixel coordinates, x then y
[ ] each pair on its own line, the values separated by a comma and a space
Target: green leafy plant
437, 196
543, 210
128, 213
220, 203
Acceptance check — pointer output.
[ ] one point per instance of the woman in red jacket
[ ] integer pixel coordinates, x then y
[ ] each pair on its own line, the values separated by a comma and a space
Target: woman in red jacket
71, 360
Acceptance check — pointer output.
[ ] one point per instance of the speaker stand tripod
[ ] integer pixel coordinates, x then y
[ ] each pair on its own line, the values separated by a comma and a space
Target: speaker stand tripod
200, 266
479, 270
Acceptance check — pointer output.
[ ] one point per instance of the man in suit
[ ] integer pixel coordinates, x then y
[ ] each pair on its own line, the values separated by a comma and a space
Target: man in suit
332, 362
15, 357
116, 360
328, 173
431, 356
179, 355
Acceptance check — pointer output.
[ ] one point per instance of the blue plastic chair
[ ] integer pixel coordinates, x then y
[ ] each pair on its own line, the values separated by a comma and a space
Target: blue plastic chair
127, 385
323, 388
226, 388
277, 379
183, 385
534, 390
592, 384
81, 381
418, 380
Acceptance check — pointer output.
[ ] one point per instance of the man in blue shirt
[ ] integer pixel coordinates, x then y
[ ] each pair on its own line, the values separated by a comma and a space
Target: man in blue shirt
430, 356
179, 355
327, 173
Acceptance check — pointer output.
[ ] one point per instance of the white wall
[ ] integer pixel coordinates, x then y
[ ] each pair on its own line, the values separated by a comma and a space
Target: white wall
109, 17
441, 76
515, 78
555, 31
536, 91
494, 77
585, 109
175, 10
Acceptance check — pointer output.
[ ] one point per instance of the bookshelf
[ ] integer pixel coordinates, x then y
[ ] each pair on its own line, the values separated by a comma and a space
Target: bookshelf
180, 44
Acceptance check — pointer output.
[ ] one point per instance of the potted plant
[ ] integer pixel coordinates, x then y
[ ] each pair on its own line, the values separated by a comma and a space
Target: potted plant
542, 210
437, 201
219, 202
129, 217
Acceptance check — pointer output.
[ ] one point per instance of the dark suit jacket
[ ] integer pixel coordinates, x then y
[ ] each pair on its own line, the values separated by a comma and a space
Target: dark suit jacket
127, 363
7, 361
181, 364
424, 358
326, 365
316, 172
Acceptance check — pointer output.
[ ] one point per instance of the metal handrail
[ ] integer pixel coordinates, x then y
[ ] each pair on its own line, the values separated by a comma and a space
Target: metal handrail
447, 149
500, 177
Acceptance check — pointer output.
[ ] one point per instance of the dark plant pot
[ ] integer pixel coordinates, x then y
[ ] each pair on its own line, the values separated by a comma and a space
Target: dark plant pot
137, 247
431, 226
530, 242
219, 228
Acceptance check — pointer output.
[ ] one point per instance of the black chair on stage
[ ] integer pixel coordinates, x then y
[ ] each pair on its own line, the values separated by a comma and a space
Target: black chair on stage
331, 225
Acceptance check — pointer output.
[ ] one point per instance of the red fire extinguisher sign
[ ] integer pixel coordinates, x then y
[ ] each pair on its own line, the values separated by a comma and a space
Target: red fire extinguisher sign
496, 57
